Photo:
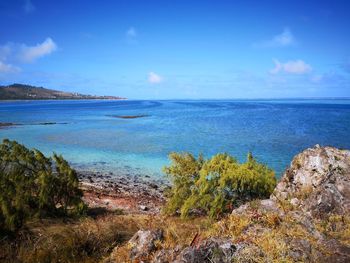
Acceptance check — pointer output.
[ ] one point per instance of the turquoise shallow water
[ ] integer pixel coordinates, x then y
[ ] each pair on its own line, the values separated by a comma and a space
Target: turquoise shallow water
91, 139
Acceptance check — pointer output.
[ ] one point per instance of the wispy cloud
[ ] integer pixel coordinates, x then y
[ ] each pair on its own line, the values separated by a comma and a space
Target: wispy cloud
316, 78
31, 53
154, 78
5, 52
292, 67
131, 32
16, 53
284, 39
8, 68
28, 6
131, 35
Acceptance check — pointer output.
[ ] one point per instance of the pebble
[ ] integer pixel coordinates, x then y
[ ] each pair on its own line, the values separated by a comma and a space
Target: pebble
143, 207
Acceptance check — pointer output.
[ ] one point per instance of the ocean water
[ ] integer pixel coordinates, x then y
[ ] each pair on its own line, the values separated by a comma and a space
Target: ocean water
91, 139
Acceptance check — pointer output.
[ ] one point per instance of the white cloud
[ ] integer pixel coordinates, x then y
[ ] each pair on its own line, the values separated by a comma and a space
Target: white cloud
292, 66
28, 6
21, 53
286, 38
5, 52
131, 32
31, 53
154, 78
8, 68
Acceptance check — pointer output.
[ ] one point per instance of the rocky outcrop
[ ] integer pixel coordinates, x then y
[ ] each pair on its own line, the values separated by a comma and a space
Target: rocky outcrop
213, 250
264, 206
318, 182
314, 189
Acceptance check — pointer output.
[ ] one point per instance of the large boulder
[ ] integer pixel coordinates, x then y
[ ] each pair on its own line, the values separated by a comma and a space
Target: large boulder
318, 181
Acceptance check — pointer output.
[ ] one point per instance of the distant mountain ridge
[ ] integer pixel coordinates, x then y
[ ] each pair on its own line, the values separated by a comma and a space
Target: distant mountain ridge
26, 92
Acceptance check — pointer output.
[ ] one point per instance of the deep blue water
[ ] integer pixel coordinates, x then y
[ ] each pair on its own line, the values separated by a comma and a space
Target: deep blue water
273, 130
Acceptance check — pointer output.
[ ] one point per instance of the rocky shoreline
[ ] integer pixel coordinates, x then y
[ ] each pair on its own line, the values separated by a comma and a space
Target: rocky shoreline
129, 194
306, 219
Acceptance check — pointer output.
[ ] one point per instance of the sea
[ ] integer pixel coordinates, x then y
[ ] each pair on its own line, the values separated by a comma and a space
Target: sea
91, 135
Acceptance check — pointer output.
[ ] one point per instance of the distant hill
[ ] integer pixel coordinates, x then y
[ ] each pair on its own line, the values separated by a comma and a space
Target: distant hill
27, 92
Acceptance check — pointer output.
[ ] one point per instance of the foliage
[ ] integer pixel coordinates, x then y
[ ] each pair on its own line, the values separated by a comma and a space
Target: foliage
32, 185
184, 171
216, 185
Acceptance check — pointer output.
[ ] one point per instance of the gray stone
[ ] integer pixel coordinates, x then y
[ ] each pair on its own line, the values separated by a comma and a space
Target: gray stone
212, 250
143, 207
295, 201
143, 243
319, 178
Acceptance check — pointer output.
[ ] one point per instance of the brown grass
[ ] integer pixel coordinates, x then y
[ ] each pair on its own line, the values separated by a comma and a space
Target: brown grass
177, 232
67, 241
91, 240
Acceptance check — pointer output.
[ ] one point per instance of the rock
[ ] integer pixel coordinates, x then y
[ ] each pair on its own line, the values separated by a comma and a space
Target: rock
262, 206
143, 207
6, 124
166, 255
295, 201
143, 243
339, 252
306, 221
213, 250
153, 185
248, 252
319, 178
316, 185
300, 250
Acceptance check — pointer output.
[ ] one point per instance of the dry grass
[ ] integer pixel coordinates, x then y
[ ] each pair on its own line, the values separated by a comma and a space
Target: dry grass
337, 227
91, 240
57, 241
272, 238
269, 236
176, 231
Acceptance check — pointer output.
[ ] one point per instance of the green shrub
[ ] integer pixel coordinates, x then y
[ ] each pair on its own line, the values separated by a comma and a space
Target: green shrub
32, 185
216, 185
184, 171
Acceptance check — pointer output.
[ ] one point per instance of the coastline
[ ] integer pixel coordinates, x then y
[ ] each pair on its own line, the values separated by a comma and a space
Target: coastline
119, 193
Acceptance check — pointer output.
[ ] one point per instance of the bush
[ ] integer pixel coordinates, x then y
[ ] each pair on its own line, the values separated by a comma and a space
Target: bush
32, 185
216, 185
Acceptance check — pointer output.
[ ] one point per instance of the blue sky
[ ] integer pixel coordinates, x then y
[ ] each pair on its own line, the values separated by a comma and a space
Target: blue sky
178, 49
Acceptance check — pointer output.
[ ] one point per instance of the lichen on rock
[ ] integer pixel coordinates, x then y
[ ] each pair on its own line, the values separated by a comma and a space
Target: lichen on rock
318, 180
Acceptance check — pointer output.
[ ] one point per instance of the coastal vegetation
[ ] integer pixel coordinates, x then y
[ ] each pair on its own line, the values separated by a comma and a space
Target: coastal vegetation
27, 92
33, 185
229, 212
215, 186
